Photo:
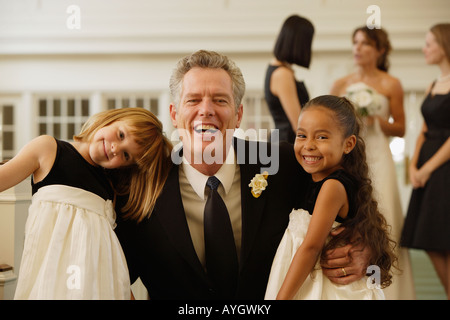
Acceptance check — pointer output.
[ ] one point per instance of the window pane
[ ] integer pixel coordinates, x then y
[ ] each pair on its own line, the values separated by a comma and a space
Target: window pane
42, 107
64, 119
57, 130
8, 115
71, 107
71, 130
154, 106
8, 141
111, 104
57, 107
125, 103
85, 107
140, 103
42, 128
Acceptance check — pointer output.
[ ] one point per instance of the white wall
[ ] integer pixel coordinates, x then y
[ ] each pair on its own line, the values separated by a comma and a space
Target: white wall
144, 26
142, 39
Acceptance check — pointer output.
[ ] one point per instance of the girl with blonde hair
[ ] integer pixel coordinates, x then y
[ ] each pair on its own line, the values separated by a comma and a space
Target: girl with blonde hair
71, 250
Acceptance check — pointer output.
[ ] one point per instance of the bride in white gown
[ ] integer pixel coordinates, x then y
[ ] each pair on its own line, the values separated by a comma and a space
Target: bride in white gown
380, 97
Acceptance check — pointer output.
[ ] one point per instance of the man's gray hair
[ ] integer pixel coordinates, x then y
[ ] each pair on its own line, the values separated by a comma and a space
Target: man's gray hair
207, 59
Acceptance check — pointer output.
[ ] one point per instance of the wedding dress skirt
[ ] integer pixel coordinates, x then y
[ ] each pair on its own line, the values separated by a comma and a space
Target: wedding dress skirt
71, 250
316, 286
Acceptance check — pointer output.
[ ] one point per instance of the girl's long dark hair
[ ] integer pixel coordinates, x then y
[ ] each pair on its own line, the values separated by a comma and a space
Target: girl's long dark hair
368, 227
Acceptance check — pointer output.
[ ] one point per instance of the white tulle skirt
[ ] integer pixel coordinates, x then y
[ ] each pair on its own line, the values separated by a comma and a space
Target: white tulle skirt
71, 250
316, 286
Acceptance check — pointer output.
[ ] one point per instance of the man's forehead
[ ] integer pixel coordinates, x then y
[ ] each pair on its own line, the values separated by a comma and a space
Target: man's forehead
197, 81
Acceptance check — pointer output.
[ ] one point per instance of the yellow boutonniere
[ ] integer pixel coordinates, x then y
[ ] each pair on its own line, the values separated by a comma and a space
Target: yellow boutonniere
259, 183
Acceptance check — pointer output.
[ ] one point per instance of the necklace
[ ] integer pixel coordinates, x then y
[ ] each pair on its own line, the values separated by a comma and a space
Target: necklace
442, 79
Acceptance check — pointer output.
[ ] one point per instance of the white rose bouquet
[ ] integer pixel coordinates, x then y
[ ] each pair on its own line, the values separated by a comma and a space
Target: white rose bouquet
364, 98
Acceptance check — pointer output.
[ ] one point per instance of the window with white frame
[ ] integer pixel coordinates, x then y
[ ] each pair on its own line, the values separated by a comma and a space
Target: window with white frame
62, 116
128, 100
256, 113
6, 131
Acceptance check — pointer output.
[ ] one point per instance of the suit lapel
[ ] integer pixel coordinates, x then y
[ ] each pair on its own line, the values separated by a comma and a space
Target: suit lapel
252, 208
173, 219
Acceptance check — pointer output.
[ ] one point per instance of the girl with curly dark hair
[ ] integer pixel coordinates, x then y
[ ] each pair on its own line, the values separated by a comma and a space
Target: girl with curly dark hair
330, 148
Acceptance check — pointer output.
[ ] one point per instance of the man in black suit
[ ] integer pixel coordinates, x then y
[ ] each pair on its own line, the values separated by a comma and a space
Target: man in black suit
167, 250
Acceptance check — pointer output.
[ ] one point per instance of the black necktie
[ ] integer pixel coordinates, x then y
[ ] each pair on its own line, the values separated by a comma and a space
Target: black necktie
220, 248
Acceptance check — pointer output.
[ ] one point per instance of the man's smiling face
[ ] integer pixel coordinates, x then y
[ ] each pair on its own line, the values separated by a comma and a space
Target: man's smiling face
206, 110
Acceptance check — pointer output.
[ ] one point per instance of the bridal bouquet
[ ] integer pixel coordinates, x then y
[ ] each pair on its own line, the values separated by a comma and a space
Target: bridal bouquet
364, 98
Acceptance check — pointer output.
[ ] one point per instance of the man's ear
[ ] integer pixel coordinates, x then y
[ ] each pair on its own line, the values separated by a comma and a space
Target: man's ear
173, 114
239, 114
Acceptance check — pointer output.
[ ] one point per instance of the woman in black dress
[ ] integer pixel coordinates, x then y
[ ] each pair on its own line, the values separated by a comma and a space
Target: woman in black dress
284, 94
427, 224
